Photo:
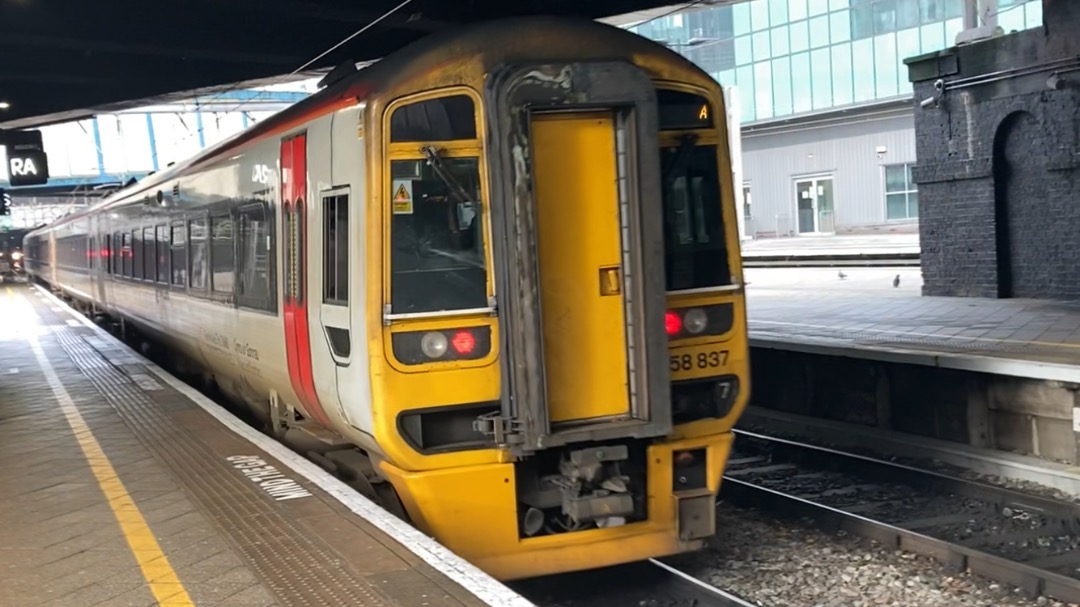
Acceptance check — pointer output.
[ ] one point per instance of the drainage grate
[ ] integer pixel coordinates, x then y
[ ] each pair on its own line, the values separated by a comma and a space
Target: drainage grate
297, 569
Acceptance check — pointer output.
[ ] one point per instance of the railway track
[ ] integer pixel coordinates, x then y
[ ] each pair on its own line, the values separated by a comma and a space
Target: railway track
1029, 542
645, 584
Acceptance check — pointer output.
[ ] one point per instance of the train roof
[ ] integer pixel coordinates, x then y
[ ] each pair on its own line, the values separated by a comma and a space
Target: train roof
562, 38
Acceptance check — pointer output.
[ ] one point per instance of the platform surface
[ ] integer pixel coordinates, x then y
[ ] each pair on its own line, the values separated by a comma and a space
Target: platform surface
832, 245
864, 315
120, 488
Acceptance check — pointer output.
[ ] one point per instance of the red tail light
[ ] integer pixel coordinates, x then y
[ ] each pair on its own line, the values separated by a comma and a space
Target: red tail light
463, 342
672, 323
441, 345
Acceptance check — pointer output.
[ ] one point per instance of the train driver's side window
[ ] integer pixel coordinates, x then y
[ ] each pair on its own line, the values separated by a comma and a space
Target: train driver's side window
437, 259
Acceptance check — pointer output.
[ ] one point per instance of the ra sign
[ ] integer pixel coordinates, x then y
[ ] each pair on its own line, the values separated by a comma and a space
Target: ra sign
27, 166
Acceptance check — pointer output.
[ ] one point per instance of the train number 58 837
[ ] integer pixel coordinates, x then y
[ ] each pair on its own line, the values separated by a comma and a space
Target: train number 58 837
698, 360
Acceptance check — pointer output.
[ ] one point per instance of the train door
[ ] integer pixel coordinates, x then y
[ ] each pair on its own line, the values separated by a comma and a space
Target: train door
579, 250
335, 317
295, 310
576, 188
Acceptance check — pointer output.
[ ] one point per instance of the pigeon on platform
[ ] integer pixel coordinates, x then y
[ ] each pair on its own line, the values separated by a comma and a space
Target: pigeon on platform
841, 275
896, 281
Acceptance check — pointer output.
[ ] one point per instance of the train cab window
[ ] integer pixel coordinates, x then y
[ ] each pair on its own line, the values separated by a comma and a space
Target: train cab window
696, 254
162, 256
437, 244
253, 227
443, 119
200, 254
178, 255
222, 255
127, 254
336, 249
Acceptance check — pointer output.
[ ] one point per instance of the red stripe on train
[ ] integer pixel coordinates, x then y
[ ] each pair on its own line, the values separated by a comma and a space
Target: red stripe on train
297, 335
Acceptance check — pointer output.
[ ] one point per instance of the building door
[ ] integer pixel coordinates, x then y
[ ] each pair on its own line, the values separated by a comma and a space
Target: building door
814, 203
748, 212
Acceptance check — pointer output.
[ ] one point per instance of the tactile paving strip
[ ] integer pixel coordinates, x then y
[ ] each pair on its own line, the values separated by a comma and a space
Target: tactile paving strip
297, 569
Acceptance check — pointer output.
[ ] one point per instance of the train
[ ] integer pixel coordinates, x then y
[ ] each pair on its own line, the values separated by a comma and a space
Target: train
11, 255
495, 276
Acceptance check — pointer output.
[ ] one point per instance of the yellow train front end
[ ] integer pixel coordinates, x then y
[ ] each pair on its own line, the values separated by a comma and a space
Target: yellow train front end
561, 352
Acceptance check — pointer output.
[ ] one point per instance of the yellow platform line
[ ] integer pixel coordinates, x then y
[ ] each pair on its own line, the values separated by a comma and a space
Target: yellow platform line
159, 574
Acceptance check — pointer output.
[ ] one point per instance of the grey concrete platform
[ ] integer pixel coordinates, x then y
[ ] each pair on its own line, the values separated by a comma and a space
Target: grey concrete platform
864, 316
119, 486
832, 245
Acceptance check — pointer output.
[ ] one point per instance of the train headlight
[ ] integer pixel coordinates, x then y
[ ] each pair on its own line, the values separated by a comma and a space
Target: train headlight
433, 344
695, 321
441, 345
716, 319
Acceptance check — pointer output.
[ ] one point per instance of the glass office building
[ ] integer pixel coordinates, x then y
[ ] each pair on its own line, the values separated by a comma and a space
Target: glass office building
824, 100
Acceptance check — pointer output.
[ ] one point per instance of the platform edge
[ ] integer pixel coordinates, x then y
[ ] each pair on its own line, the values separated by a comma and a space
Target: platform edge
457, 569
993, 365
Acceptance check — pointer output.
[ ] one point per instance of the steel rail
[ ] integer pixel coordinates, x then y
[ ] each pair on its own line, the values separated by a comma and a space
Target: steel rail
705, 594
1066, 513
1032, 580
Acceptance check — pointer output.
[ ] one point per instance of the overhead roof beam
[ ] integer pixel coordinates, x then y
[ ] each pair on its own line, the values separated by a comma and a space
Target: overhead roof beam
405, 19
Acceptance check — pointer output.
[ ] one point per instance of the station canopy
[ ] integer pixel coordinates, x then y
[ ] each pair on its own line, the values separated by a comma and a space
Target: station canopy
63, 60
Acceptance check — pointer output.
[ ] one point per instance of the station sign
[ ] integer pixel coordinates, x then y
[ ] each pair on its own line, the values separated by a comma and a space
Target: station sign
27, 162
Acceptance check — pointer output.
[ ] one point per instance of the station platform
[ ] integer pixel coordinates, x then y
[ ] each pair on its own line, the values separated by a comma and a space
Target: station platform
862, 315
124, 486
839, 246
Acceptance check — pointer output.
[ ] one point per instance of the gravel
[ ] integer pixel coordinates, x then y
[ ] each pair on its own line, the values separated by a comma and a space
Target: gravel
782, 564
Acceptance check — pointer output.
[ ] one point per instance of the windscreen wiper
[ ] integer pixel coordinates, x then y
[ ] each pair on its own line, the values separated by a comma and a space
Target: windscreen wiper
682, 156
445, 175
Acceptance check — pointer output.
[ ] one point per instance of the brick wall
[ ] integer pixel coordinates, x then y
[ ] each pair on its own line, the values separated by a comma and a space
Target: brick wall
999, 164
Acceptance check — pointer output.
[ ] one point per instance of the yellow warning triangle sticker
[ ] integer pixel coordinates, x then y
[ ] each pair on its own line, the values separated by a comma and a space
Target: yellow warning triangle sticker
402, 195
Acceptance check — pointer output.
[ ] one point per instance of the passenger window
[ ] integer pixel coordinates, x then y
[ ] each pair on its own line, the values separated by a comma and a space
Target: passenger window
437, 255
200, 253
149, 254
442, 119
162, 254
254, 287
294, 241
178, 255
136, 254
336, 249
117, 262
222, 257
127, 254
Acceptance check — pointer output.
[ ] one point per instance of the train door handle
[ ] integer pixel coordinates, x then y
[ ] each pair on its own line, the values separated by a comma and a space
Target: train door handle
610, 281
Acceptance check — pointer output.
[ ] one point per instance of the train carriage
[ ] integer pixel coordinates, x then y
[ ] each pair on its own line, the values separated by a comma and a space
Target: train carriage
495, 275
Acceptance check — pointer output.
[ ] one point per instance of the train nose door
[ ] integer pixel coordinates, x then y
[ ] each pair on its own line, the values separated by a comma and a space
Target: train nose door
579, 250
